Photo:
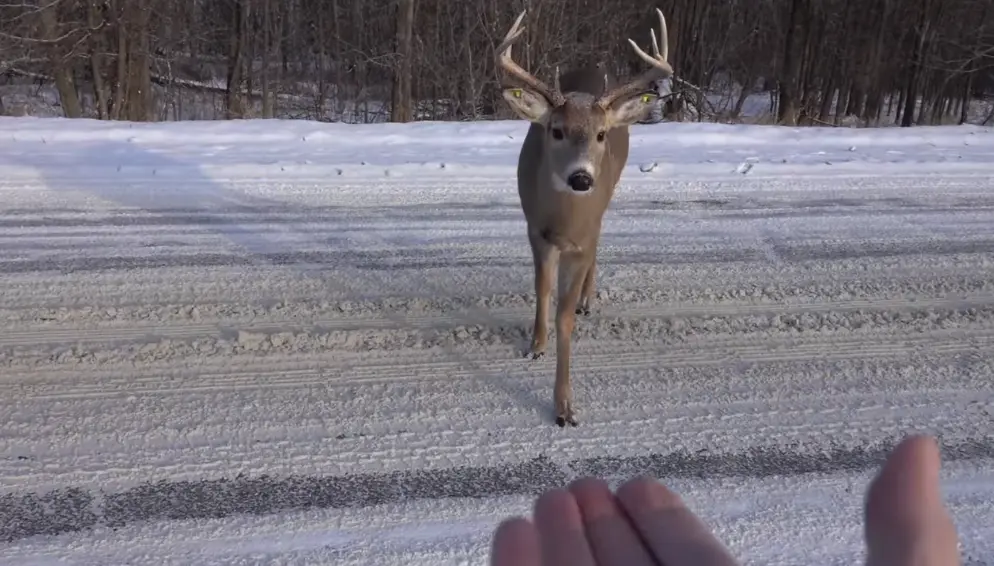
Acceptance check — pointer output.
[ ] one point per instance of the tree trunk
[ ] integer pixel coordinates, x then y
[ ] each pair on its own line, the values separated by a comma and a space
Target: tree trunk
96, 62
401, 109
828, 97
236, 52
874, 101
61, 70
140, 103
964, 111
121, 73
845, 91
914, 74
789, 107
321, 37
267, 47
740, 101
857, 98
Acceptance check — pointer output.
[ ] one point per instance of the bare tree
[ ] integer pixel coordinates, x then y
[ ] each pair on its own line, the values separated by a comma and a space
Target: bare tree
402, 110
829, 62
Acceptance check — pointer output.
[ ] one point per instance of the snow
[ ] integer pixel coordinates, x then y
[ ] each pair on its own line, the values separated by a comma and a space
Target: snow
810, 519
292, 342
432, 151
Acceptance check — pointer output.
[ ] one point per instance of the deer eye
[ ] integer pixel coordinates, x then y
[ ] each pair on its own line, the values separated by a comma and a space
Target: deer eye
557, 133
600, 136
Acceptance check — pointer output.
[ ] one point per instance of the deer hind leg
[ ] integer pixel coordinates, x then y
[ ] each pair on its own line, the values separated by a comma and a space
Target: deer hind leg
589, 280
587, 292
572, 274
544, 258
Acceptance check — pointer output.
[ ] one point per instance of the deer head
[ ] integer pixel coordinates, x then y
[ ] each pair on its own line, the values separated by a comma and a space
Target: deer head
577, 124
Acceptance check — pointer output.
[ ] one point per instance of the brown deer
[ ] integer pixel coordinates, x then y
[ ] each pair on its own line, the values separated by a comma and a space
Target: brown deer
569, 165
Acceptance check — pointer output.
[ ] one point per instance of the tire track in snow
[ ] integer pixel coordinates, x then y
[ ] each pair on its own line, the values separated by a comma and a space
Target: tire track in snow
402, 424
875, 320
171, 293
147, 331
381, 261
640, 330
70, 509
814, 511
756, 199
602, 357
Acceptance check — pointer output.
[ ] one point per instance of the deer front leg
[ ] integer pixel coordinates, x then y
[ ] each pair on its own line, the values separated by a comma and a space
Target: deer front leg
572, 274
543, 256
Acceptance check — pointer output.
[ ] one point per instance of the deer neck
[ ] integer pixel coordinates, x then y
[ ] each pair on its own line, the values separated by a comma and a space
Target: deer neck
567, 217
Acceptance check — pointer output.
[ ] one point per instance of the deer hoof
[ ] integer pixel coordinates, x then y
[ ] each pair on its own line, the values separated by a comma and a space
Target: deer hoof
583, 306
535, 351
534, 354
566, 416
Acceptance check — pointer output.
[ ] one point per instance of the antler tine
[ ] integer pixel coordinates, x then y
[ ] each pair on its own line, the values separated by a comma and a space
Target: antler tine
660, 66
657, 57
505, 62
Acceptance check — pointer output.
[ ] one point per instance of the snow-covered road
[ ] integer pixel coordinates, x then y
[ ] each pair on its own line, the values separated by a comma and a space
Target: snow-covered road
287, 342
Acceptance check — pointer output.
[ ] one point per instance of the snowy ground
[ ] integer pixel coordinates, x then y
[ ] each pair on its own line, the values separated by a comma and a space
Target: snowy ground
295, 343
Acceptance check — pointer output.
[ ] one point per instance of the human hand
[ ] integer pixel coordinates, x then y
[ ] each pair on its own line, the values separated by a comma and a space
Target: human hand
906, 521
646, 524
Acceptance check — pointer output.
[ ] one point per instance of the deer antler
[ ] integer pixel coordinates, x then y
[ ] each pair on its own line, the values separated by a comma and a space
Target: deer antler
505, 62
660, 66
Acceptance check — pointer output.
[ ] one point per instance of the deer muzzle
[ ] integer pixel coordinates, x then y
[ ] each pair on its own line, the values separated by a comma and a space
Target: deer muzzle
580, 182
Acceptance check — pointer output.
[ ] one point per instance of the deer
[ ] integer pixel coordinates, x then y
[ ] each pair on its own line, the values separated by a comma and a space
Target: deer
569, 165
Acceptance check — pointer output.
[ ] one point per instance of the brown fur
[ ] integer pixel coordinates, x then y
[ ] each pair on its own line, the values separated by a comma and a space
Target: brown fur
580, 126
567, 227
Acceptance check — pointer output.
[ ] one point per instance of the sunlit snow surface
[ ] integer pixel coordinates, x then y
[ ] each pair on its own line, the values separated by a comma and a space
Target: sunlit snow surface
284, 342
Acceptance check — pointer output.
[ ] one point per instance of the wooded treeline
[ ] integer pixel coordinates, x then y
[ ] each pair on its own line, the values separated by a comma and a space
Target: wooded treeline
816, 62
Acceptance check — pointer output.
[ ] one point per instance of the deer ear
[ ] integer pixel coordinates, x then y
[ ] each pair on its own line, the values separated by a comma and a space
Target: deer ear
527, 104
632, 109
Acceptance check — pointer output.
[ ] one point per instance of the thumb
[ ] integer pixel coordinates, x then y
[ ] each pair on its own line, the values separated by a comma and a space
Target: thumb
906, 521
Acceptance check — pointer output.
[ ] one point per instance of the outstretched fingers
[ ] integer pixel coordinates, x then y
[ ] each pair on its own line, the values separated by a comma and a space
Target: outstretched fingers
645, 524
671, 531
580, 526
561, 530
906, 520
611, 536
515, 543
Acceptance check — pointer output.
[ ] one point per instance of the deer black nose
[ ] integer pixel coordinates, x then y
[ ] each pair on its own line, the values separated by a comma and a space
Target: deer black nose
580, 182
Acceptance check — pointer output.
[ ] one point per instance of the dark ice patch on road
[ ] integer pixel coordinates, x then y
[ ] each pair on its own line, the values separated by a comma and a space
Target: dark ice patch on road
75, 509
